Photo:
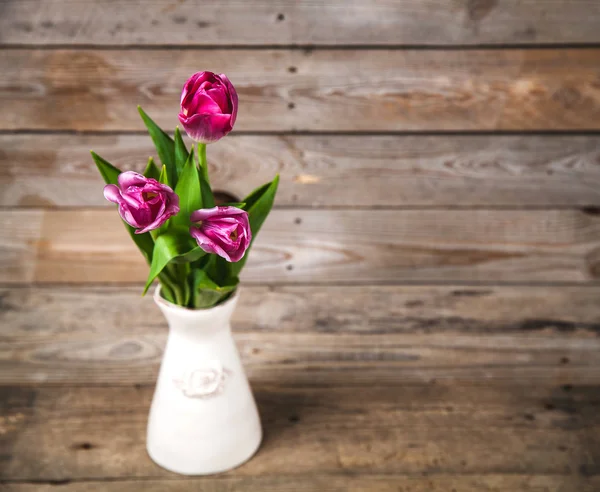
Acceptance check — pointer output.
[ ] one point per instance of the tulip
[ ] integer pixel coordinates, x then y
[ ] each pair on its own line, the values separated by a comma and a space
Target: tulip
209, 106
224, 231
144, 203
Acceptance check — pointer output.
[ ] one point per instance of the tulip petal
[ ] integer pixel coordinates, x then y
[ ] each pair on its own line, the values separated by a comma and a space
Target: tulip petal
206, 128
219, 96
233, 97
131, 178
190, 86
203, 104
220, 212
112, 193
207, 244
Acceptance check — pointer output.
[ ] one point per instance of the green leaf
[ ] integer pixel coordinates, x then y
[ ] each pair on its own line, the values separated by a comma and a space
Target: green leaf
151, 170
164, 177
171, 247
206, 293
236, 205
181, 153
188, 190
165, 146
110, 174
208, 200
258, 206
253, 197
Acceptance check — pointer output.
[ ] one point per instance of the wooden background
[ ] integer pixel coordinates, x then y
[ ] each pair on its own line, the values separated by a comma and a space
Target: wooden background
421, 311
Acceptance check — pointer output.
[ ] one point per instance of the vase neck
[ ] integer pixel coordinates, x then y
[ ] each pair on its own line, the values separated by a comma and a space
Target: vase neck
197, 322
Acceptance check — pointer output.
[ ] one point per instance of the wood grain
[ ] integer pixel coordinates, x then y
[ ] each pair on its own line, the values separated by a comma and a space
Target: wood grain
323, 90
286, 22
553, 171
345, 482
318, 336
464, 429
29, 312
347, 246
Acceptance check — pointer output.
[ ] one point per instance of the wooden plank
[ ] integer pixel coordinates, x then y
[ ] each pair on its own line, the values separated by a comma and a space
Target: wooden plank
320, 336
286, 22
323, 90
32, 311
333, 483
322, 246
509, 427
453, 170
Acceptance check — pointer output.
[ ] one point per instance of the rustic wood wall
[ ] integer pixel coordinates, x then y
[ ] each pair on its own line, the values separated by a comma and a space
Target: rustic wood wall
435, 247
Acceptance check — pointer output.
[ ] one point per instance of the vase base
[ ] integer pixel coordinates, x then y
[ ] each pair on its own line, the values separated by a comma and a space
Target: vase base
202, 471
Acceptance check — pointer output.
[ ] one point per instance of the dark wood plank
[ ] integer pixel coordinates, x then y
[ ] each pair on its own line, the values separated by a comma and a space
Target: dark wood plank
509, 427
322, 246
323, 336
286, 22
554, 171
323, 90
345, 482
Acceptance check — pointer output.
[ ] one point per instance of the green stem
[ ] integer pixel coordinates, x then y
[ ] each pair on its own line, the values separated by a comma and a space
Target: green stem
201, 157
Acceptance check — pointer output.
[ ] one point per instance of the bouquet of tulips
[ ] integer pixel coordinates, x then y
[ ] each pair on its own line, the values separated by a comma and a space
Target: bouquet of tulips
194, 248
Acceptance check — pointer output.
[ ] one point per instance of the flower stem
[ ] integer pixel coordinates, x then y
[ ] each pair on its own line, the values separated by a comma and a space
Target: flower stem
201, 156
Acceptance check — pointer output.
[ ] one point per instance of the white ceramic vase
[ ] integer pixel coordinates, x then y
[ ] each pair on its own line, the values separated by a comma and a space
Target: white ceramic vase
203, 418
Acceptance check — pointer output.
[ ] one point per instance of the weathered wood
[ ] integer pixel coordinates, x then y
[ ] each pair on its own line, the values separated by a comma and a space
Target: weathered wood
351, 90
346, 482
321, 246
27, 313
314, 335
82, 433
56, 170
287, 22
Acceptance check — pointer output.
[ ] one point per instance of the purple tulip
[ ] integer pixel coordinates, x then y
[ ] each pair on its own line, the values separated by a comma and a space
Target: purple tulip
209, 106
144, 203
224, 231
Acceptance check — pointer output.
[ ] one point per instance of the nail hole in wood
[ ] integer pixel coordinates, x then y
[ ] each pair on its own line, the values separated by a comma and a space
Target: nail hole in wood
83, 445
291, 105
280, 17
292, 69
289, 267
297, 220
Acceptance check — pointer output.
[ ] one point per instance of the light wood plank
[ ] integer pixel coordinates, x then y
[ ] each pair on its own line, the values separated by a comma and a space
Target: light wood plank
323, 336
36, 170
324, 90
508, 427
334, 483
31, 311
321, 246
287, 22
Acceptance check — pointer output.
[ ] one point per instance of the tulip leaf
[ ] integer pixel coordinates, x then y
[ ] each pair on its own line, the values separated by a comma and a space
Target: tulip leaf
165, 146
188, 190
208, 200
110, 174
206, 293
164, 177
258, 206
236, 205
181, 153
152, 170
172, 247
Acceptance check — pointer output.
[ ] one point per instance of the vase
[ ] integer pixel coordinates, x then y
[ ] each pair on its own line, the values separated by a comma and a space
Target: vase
203, 418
